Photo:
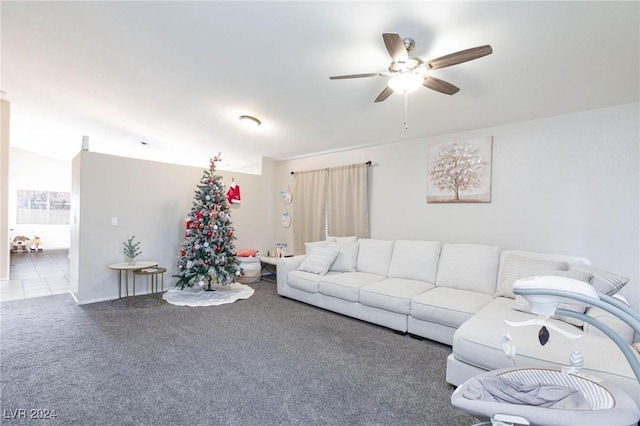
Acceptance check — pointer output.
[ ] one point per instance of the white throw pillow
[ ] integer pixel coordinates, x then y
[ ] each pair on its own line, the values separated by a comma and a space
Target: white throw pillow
319, 260
309, 246
347, 257
518, 267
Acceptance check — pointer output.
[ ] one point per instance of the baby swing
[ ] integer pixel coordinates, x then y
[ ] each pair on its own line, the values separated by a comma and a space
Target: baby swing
551, 397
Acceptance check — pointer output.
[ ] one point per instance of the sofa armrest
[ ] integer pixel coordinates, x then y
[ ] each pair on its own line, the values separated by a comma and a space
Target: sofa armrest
626, 332
285, 265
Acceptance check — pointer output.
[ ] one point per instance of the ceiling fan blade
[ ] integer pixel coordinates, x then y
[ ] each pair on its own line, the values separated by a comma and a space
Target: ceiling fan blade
384, 94
395, 46
440, 86
460, 57
371, 74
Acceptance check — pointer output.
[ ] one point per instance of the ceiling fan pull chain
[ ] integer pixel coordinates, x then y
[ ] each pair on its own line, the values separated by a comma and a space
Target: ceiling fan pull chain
406, 106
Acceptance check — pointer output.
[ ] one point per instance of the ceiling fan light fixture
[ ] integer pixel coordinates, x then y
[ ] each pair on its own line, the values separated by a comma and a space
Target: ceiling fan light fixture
405, 82
407, 73
249, 122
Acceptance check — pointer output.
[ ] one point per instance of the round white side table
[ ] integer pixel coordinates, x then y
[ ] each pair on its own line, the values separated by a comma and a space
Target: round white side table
126, 267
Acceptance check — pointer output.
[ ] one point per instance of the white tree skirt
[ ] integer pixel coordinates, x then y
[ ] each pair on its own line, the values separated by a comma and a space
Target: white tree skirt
196, 296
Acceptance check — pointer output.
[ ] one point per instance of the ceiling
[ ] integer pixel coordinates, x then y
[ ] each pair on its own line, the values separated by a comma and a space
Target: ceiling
176, 75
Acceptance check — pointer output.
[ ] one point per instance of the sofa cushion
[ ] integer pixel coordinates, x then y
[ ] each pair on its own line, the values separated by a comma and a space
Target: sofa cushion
477, 342
448, 306
415, 260
374, 256
393, 294
346, 285
624, 330
517, 267
604, 282
472, 267
305, 281
342, 239
347, 256
319, 260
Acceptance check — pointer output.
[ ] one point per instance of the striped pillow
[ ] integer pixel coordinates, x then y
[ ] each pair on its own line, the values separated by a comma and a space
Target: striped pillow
319, 260
518, 267
604, 282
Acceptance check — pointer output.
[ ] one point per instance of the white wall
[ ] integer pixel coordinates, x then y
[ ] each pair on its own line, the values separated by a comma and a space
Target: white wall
31, 171
568, 185
151, 201
5, 113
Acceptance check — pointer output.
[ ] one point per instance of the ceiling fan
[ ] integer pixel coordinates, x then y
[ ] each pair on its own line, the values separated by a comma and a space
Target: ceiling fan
409, 72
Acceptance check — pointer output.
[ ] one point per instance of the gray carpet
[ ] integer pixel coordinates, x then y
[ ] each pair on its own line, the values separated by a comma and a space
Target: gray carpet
266, 360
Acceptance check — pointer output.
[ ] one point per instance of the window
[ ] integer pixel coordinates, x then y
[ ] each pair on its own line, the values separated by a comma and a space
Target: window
43, 207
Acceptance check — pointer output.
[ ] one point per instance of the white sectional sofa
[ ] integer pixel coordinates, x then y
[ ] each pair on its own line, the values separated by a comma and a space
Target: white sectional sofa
459, 295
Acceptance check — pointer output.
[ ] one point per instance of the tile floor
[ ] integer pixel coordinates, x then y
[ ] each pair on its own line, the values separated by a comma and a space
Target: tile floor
36, 274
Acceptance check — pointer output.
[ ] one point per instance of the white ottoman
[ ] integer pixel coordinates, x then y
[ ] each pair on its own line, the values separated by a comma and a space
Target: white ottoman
249, 269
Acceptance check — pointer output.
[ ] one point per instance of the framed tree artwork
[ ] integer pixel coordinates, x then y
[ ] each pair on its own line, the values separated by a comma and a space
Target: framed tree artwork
460, 172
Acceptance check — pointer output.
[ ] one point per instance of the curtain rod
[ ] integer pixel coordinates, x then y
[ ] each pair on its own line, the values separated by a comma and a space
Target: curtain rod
368, 164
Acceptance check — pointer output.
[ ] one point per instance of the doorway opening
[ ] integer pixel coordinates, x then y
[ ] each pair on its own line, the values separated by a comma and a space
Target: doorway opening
36, 273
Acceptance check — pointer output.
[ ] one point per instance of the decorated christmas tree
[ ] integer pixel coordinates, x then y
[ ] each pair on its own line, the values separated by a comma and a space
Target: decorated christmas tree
207, 255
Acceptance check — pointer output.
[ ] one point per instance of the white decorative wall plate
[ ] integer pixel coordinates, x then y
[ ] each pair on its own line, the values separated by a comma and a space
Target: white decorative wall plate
285, 220
286, 196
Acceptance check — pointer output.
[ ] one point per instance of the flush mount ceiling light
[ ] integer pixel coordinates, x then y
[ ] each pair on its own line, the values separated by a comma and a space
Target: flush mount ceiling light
249, 122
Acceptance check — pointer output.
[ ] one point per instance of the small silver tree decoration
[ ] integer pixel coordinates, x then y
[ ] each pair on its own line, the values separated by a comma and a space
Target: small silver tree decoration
131, 250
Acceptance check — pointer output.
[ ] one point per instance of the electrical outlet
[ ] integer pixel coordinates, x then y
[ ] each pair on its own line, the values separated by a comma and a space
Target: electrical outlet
114, 221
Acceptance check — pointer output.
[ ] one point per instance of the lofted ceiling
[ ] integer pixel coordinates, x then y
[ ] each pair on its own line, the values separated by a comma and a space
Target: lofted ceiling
176, 75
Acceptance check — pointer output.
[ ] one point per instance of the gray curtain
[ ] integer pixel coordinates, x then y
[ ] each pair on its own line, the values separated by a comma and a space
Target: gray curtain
309, 208
347, 201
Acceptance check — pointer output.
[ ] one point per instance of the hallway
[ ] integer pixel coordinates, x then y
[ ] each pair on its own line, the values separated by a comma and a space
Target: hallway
36, 274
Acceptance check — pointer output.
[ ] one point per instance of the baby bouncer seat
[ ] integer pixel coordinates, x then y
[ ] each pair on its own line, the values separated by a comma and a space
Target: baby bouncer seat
552, 397
592, 404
